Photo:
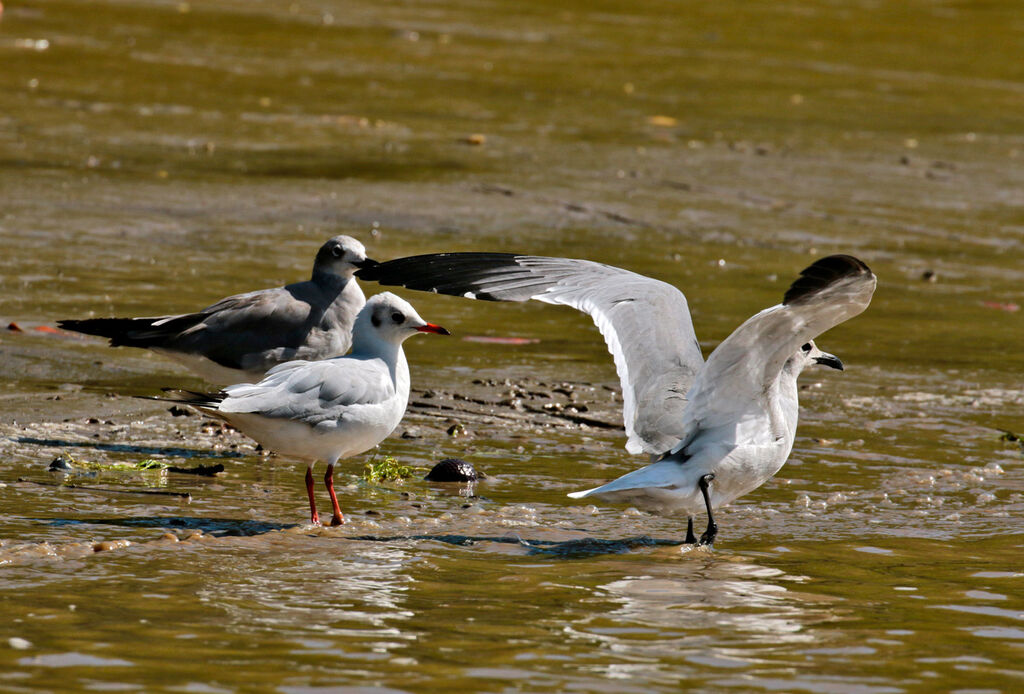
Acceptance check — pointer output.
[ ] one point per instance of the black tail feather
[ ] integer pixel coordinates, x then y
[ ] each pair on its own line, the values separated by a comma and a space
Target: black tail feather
132, 332
189, 397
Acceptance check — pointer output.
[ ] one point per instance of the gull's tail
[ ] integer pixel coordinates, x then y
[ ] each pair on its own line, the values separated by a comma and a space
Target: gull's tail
203, 401
133, 332
665, 474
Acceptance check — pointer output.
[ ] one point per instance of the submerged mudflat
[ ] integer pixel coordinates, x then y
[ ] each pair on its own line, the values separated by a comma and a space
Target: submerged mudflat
154, 158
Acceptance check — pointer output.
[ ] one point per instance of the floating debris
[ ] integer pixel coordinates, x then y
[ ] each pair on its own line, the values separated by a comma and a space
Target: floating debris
1010, 437
386, 470
65, 462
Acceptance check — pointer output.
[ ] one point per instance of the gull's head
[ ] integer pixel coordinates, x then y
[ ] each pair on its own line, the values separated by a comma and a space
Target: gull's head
808, 355
341, 256
392, 319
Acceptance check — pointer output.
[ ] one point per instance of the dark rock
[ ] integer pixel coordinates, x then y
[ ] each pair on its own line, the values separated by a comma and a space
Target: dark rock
179, 411
453, 470
60, 464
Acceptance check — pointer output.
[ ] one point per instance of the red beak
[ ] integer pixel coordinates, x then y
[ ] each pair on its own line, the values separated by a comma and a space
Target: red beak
431, 328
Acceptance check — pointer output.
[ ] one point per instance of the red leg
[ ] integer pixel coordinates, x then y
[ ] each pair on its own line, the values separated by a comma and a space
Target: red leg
338, 519
314, 517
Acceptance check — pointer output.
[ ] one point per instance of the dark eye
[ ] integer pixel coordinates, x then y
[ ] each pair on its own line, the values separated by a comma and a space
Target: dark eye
397, 317
806, 347
337, 251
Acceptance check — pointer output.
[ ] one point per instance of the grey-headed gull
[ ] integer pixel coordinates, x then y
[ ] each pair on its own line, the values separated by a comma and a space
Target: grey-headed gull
330, 409
732, 420
240, 337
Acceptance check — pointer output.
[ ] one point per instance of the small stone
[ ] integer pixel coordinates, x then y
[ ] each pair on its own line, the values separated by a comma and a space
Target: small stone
62, 463
18, 643
108, 545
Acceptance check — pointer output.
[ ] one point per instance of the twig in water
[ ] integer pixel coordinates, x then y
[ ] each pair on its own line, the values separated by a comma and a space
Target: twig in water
182, 495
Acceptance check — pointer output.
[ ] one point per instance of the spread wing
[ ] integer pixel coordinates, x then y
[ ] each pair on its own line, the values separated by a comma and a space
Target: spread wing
645, 322
832, 290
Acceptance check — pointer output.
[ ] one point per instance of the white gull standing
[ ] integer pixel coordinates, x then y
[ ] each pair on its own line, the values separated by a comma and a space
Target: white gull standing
331, 409
732, 420
241, 336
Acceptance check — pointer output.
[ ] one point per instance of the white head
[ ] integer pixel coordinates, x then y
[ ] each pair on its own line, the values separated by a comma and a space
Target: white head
808, 355
341, 257
389, 318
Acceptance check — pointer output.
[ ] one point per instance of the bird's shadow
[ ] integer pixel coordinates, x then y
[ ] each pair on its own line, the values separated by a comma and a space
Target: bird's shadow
218, 527
564, 549
233, 527
130, 448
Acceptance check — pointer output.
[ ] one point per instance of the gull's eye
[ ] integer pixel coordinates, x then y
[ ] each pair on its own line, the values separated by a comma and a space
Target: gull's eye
806, 347
337, 251
398, 317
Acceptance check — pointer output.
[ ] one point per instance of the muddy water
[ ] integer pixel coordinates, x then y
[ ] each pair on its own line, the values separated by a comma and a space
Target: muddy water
157, 156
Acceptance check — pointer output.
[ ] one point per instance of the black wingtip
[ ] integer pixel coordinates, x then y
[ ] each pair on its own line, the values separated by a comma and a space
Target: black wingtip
443, 273
824, 273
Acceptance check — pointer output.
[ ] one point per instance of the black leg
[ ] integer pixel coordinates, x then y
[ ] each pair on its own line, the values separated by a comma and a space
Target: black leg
691, 539
708, 538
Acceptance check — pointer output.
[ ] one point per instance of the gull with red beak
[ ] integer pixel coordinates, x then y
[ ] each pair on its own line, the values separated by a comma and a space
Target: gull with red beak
331, 409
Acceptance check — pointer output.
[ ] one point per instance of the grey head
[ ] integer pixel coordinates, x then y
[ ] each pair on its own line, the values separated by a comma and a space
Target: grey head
340, 257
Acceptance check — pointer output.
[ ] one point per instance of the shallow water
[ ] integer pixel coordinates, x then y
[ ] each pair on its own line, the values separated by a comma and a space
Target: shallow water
157, 156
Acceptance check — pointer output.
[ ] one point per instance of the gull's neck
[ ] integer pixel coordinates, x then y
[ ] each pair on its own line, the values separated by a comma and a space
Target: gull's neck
329, 281
367, 345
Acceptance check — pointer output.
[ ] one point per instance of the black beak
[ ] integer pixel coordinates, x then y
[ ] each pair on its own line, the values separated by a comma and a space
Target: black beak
829, 360
369, 262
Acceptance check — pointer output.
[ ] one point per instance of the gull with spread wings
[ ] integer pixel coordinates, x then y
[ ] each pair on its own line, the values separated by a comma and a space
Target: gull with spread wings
731, 421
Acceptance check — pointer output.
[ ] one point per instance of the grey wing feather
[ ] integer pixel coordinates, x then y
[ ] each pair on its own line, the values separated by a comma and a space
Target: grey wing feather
249, 324
645, 322
312, 391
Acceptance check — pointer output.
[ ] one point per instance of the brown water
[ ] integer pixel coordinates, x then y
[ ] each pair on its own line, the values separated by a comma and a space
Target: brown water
157, 156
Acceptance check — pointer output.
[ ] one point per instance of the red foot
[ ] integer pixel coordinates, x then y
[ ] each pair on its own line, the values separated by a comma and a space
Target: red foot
338, 518
314, 517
